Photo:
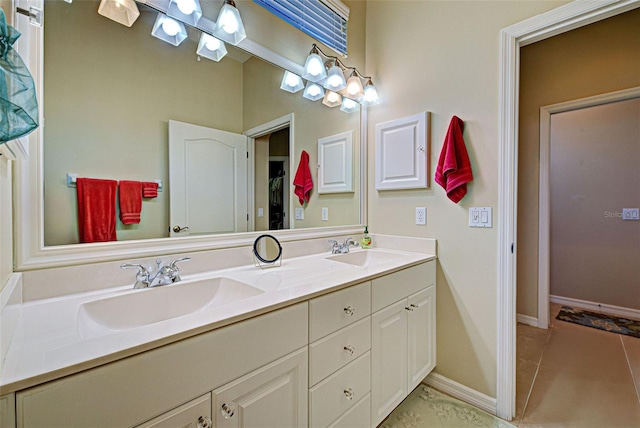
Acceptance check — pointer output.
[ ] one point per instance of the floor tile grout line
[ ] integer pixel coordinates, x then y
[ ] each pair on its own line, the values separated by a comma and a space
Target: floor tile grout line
535, 376
633, 379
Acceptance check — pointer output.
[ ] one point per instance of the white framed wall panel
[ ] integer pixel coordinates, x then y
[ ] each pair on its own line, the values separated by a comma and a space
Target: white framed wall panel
402, 149
335, 163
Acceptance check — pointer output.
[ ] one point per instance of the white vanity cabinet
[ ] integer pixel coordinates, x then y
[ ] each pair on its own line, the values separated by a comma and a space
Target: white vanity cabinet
340, 358
402, 336
7, 411
150, 384
194, 414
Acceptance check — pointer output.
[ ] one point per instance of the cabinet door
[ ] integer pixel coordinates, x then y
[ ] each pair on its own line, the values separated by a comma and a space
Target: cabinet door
272, 396
195, 414
421, 335
388, 360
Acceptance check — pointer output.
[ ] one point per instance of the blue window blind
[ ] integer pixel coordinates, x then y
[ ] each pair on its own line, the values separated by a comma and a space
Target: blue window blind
314, 18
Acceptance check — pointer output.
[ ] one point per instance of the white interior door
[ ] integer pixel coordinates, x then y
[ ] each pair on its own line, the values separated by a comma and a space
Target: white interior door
208, 180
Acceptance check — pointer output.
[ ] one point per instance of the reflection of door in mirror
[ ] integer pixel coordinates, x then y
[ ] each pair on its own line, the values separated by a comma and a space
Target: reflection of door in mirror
207, 179
272, 181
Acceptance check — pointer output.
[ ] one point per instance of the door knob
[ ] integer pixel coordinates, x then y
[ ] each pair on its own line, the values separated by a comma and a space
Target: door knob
178, 229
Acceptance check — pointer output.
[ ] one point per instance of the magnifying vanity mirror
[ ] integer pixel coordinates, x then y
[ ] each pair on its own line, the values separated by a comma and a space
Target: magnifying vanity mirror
110, 93
267, 251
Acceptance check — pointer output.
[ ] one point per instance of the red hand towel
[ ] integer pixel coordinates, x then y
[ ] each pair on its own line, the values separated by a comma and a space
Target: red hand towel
96, 209
149, 189
130, 201
302, 181
454, 168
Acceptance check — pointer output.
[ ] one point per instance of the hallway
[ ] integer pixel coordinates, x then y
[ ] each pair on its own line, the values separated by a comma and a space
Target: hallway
576, 376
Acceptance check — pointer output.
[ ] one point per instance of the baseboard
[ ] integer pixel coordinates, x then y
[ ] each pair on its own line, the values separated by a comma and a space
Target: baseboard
597, 307
526, 319
461, 392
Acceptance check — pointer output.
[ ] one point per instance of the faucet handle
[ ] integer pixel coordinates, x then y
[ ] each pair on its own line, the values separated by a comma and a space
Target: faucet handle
142, 276
141, 269
172, 265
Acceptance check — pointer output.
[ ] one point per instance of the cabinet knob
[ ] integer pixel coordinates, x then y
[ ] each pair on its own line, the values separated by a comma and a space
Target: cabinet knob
409, 308
349, 349
227, 410
349, 393
205, 422
350, 310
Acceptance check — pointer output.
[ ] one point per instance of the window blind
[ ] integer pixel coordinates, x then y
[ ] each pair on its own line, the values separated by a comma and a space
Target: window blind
314, 18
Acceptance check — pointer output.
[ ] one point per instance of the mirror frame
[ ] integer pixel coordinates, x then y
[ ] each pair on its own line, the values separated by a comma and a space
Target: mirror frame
31, 253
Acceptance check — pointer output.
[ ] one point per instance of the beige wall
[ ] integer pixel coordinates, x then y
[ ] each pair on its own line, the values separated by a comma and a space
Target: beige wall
444, 57
600, 58
6, 242
594, 173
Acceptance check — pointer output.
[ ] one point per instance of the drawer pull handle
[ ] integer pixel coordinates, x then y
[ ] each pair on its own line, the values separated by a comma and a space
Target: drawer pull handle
349, 394
228, 410
414, 306
205, 422
349, 349
350, 310
409, 308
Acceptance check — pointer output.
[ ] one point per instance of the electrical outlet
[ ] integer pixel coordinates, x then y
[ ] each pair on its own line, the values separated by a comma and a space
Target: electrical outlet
299, 213
260, 212
325, 214
421, 215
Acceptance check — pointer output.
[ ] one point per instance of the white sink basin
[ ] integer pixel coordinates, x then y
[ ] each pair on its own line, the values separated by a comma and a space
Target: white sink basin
366, 258
143, 307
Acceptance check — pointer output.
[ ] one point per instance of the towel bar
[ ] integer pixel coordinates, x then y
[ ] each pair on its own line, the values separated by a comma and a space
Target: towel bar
72, 177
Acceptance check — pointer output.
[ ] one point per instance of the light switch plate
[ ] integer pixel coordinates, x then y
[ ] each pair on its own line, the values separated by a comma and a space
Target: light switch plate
260, 212
299, 213
480, 217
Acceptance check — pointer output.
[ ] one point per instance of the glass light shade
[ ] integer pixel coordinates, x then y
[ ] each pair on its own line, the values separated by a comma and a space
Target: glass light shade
291, 82
314, 70
349, 106
332, 99
354, 87
229, 25
124, 12
370, 94
169, 30
313, 91
211, 48
335, 79
188, 11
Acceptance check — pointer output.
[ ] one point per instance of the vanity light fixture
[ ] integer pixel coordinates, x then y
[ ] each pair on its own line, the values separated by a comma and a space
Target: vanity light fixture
314, 70
188, 11
332, 99
370, 93
354, 87
291, 82
169, 30
313, 91
229, 25
349, 105
211, 48
124, 12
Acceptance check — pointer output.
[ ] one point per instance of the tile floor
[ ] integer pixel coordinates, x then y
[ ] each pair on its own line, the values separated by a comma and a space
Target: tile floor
576, 376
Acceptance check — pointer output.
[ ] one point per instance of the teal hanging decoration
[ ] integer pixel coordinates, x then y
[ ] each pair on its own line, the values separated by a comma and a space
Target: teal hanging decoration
18, 103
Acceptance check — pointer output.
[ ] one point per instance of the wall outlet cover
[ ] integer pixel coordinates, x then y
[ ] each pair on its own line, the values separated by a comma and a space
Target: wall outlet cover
421, 215
299, 213
325, 214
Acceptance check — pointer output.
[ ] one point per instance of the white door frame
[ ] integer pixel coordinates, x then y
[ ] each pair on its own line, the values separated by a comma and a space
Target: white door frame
562, 19
544, 212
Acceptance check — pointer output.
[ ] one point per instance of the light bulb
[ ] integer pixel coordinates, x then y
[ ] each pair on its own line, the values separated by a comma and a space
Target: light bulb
118, 4
315, 66
292, 80
228, 23
212, 43
170, 27
333, 97
333, 81
186, 6
315, 90
348, 103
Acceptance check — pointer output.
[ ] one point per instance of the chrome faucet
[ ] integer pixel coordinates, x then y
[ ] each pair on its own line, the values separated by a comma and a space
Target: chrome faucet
164, 274
342, 249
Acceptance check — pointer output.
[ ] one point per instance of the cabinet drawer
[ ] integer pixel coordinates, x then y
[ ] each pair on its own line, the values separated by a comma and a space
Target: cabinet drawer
359, 416
330, 353
396, 286
339, 392
339, 309
194, 414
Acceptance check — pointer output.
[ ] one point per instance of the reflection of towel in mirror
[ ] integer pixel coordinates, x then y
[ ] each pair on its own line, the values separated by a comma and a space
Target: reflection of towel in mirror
275, 187
454, 168
130, 201
96, 209
302, 181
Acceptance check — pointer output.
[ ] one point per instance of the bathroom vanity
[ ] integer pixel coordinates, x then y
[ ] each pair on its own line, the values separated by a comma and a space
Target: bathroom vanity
340, 346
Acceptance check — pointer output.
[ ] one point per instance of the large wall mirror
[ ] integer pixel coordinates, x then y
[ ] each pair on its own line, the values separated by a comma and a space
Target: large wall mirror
110, 92
109, 95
